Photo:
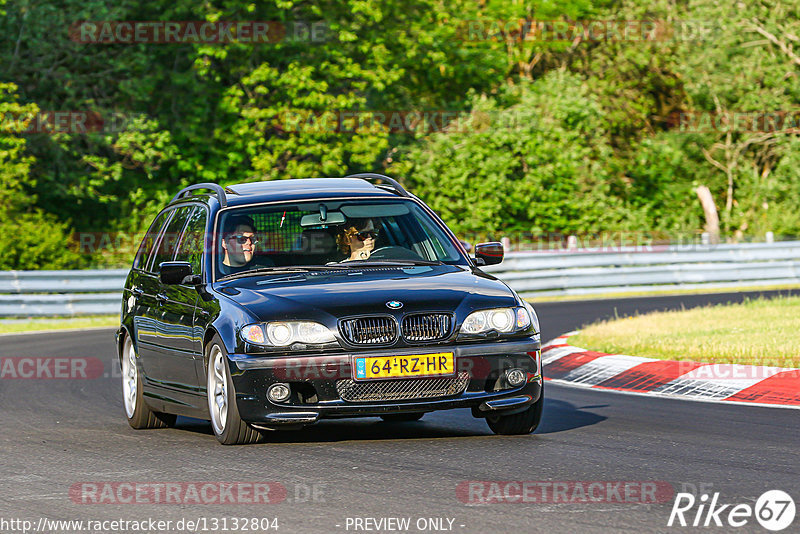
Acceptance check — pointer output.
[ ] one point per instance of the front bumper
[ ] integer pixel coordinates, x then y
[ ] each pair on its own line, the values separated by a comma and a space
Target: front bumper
313, 380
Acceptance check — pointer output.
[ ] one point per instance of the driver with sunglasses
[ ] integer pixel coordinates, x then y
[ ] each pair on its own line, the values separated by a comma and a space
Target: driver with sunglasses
239, 245
358, 240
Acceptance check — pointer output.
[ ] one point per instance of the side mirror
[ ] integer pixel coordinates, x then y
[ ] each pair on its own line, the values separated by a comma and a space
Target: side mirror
174, 272
489, 253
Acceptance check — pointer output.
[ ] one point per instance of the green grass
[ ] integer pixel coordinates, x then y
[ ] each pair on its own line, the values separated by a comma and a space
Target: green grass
11, 326
756, 332
665, 292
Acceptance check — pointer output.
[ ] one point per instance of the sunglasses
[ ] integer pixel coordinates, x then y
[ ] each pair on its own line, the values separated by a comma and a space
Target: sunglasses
362, 236
242, 239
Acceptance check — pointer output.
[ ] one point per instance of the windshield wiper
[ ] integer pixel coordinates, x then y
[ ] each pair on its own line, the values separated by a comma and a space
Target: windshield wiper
283, 270
362, 263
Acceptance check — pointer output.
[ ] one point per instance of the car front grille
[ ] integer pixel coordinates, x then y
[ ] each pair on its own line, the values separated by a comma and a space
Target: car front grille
402, 389
427, 326
379, 330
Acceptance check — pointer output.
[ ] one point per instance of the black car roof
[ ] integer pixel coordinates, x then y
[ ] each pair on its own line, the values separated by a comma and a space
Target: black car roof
288, 190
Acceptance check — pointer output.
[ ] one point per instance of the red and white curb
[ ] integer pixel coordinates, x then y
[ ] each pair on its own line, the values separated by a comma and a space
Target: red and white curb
757, 385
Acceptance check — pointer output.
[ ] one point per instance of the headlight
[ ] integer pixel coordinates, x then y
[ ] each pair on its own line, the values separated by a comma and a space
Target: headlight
313, 333
253, 333
534, 317
279, 334
284, 333
503, 320
523, 318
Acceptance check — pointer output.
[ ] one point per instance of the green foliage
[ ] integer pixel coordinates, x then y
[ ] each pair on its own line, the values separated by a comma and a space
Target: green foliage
538, 166
14, 163
770, 195
661, 176
581, 135
746, 66
36, 241
29, 239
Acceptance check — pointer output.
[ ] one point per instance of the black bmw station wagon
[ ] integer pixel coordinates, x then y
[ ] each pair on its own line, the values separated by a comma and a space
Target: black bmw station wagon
272, 305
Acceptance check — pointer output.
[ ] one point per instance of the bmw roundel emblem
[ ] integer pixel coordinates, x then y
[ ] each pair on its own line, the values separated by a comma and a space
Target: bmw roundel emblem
394, 304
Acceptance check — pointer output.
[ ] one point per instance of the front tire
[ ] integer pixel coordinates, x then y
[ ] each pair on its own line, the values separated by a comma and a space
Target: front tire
518, 423
223, 411
139, 414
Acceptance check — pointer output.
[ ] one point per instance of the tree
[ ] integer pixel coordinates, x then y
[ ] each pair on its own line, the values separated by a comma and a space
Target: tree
537, 166
29, 238
741, 94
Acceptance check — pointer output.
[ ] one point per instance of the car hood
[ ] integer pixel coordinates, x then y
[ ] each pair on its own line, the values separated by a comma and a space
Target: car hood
336, 294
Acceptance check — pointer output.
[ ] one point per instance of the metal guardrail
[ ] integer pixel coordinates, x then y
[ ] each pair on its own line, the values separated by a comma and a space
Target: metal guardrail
60, 293
586, 272
581, 272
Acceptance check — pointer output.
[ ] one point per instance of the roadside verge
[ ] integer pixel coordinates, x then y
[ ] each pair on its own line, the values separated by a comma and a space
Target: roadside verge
758, 385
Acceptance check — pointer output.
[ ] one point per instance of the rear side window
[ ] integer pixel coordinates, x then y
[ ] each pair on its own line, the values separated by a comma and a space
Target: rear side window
169, 238
192, 241
149, 241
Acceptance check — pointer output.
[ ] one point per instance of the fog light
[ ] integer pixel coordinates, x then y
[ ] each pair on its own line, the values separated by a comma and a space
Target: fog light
279, 392
515, 377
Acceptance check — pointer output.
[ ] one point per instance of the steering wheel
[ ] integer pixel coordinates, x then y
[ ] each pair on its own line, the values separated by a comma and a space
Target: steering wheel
395, 253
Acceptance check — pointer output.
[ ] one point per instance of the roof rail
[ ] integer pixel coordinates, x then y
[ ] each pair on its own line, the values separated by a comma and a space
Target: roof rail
384, 182
218, 190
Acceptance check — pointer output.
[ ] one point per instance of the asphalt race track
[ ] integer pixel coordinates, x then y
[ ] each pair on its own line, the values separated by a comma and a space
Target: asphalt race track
60, 434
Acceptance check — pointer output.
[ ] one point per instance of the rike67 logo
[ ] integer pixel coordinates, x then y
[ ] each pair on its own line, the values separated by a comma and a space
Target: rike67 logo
774, 510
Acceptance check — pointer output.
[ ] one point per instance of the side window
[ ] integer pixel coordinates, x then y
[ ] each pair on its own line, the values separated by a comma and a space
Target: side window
432, 243
192, 241
169, 238
391, 232
150, 238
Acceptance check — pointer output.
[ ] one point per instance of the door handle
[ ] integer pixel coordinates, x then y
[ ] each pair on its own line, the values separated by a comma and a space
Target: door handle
137, 292
161, 298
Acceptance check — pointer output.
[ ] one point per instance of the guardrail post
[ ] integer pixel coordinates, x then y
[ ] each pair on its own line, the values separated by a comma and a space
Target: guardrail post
572, 242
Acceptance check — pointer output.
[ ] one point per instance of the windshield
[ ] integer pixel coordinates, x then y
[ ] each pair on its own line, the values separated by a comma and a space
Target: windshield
329, 235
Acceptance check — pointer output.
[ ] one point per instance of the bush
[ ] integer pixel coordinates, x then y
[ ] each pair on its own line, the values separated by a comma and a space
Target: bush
36, 241
540, 165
